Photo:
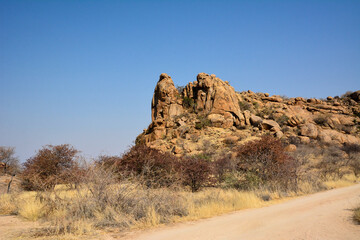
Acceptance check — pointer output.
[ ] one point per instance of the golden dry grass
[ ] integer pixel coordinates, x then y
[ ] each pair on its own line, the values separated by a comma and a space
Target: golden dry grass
212, 202
152, 207
346, 180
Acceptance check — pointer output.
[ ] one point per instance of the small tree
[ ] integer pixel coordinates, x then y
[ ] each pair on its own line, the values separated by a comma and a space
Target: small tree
195, 172
155, 168
50, 166
264, 162
353, 152
11, 163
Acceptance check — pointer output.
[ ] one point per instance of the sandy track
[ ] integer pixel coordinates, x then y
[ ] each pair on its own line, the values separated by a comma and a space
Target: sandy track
325, 215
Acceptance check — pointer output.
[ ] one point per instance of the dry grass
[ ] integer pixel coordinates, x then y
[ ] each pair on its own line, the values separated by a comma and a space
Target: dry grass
31, 208
7, 204
24, 204
356, 215
345, 181
103, 204
212, 202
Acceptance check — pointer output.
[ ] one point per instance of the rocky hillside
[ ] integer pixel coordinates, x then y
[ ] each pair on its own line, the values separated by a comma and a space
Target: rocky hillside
208, 114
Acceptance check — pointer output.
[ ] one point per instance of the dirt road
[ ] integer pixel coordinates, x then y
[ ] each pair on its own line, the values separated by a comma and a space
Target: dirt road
325, 215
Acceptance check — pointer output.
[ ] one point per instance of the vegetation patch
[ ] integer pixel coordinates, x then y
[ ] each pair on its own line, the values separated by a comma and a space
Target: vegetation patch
145, 187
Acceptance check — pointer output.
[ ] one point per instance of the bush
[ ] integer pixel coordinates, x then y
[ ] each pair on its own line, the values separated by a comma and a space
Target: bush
156, 169
11, 163
283, 120
332, 162
202, 122
264, 162
195, 172
353, 151
245, 106
266, 112
321, 120
346, 94
50, 166
188, 102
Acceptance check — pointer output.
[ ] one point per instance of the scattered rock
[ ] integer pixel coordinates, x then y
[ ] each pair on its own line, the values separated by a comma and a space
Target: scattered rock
255, 120
272, 99
270, 124
304, 140
290, 148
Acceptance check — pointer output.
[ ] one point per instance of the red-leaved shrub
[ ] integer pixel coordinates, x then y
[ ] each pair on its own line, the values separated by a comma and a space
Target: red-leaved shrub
154, 168
195, 172
264, 162
50, 166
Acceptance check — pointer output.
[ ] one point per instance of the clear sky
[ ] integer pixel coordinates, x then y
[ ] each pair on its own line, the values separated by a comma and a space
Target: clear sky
83, 72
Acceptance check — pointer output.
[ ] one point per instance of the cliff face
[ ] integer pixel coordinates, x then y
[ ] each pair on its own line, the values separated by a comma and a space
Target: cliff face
208, 113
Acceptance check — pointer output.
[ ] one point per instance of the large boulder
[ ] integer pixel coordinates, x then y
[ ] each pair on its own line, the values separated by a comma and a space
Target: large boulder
255, 120
309, 130
214, 96
270, 125
166, 102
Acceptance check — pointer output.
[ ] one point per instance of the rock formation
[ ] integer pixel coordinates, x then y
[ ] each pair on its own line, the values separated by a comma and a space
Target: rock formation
208, 113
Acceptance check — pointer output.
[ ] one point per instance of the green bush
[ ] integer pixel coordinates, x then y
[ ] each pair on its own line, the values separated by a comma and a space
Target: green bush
321, 120
282, 120
202, 122
188, 102
245, 105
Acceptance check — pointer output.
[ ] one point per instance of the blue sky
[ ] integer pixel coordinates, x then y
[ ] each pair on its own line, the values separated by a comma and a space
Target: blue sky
83, 72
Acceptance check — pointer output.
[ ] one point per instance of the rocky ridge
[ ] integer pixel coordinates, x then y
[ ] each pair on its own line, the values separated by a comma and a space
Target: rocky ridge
208, 114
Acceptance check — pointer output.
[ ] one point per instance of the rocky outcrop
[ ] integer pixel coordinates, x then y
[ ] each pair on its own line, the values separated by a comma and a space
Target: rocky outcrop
165, 106
209, 115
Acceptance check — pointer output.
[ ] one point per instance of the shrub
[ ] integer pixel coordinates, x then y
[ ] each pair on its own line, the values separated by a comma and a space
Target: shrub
350, 148
353, 151
188, 102
332, 162
180, 89
346, 94
50, 166
102, 201
11, 163
321, 120
245, 105
282, 120
156, 169
202, 122
195, 172
264, 162
266, 112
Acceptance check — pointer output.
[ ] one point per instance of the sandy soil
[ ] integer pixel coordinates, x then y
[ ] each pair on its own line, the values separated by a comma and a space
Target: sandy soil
325, 215
12, 227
